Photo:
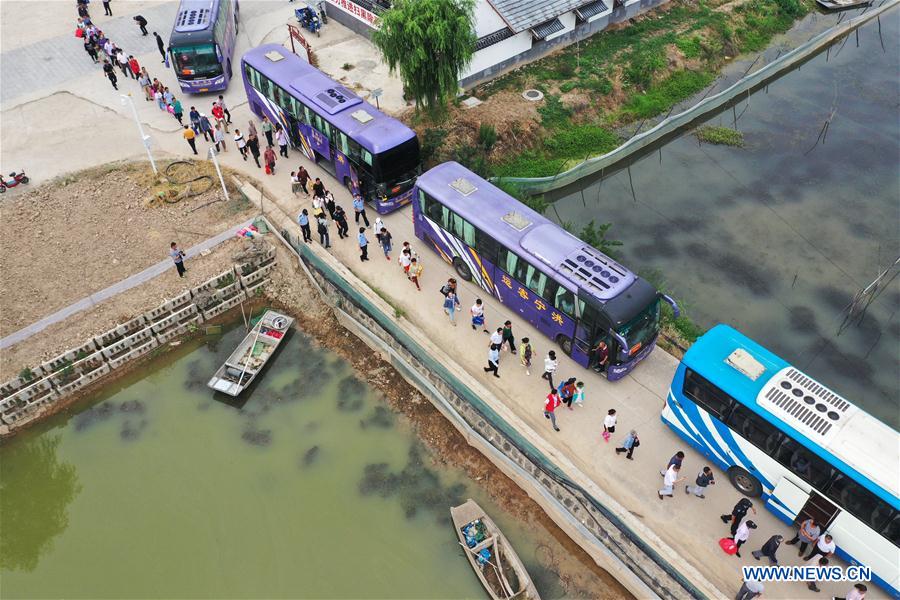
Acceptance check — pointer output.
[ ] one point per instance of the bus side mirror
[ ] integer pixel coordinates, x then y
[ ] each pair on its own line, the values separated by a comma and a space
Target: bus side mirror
218, 53
671, 302
623, 345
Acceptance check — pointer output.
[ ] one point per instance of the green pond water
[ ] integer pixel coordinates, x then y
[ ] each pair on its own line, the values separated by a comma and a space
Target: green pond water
310, 488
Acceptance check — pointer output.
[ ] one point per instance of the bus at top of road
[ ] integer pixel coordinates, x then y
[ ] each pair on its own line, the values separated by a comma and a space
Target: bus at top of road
371, 153
202, 43
571, 292
781, 435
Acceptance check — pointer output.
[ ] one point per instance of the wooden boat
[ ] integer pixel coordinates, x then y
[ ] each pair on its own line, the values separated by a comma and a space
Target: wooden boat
495, 562
252, 354
842, 4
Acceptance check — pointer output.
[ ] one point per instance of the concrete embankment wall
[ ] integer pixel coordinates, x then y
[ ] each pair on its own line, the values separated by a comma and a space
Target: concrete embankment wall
674, 125
616, 540
38, 390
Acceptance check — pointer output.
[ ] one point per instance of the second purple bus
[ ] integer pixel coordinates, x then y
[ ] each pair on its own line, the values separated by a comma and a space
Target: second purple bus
364, 149
202, 42
568, 290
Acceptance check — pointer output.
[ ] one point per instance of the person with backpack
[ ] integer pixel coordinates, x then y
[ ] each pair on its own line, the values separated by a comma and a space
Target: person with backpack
704, 479
322, 229
525, 353
630, 442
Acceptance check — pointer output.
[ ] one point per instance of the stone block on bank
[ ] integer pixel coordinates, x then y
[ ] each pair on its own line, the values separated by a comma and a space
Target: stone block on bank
167, 308
67, 358
122, 331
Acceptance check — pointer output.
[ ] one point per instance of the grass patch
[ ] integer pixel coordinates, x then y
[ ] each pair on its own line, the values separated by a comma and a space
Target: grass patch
675, 88
576, 142
689, 46
725, 136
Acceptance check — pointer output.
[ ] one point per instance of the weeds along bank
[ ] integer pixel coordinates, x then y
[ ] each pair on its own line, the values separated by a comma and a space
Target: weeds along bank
617, 77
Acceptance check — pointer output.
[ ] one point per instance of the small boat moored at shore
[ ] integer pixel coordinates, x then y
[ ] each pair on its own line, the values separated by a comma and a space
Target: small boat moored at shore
842, 4
252, 354
489, 552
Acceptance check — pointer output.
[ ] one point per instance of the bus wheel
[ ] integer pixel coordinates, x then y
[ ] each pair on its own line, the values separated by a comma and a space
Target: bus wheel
462, 269
746, 483
565, 343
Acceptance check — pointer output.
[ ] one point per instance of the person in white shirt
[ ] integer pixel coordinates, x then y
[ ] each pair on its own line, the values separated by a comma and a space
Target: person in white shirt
497, 337
857, 592
477, 312
670, 480
609, 424
550, 365
750, 589
825, 546
743, 534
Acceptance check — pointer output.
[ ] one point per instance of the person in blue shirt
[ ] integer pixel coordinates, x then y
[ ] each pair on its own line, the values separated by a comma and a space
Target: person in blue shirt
359, 207
363, 242
303, 220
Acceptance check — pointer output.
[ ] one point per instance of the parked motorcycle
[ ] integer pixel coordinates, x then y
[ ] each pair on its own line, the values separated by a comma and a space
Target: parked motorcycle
309, 19
14, 180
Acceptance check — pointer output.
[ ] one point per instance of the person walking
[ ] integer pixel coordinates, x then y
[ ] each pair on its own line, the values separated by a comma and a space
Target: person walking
750, 589
206, 128
330, 204
811, 585
497, 336
282, 138
189, 135
303, 221
251, 126
110, 72
508, 337
857, 592
144, 82
194, 116
609, 424
363, 245
385, 240
807, 534
107, 10
405, 259
670, 480
340, 219
415, 272
526, 352
225, 109
123, 62
253, 146
769, 549
825, 546
738, 513
318, 190
600, 356
219, 116
630, 442
359, 208
550, 366
704, 479
676, 459
477, 312
239, 140
219, 139
550, 405
579, 394
91, 50
160, 45
160, 102
267, 130
451, 303
178, 110
168, 96
178, 258
135, 68
269, 159
567, 392
493, 360
302, 173
142, 24
743, 534
322, 229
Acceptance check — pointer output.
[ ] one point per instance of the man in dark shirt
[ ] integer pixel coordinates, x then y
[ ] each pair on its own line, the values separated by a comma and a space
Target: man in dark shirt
142, 23
704, 479
110, 73
161, 45
601, 356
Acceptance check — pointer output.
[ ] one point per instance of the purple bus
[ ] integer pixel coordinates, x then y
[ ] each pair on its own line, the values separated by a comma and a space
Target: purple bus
201, 44
568, 290
367, 151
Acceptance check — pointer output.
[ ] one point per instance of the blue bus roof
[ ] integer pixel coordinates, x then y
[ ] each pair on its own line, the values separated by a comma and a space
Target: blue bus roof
849, 438
195, 15
574, 263
371, 128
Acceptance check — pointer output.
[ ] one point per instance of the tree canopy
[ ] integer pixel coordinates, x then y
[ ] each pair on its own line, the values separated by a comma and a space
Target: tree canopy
429, 42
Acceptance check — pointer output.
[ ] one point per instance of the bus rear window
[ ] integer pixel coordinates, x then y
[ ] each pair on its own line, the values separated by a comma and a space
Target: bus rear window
196, 62
398, 163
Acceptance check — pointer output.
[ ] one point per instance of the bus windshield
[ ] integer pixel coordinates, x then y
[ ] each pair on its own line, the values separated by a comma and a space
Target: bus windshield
641, 330
196, 62
398, 166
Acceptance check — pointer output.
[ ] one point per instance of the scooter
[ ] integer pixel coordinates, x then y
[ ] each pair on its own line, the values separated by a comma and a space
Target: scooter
308, 18
16, 179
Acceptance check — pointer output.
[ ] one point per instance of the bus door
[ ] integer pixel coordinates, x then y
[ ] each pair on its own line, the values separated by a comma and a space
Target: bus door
818, 508
589, 331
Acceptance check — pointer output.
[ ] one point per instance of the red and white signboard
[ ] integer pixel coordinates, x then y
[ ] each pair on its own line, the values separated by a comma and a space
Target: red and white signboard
357, 11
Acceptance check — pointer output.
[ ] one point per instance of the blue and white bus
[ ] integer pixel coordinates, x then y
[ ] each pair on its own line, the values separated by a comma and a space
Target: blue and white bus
202, 43
806, 450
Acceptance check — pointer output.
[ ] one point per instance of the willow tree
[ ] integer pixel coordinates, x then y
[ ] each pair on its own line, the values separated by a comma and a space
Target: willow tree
429, 42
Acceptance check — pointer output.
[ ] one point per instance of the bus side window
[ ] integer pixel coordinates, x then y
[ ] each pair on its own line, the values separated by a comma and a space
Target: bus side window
463, 230
434, 210
754, 429
804, 463
422, 202
892, 530
345, 146
512, 264
487, 246
536, 281
856, 499
565, 301
716, 402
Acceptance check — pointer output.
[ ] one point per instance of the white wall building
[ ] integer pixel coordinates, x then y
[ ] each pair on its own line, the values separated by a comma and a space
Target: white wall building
511, 32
